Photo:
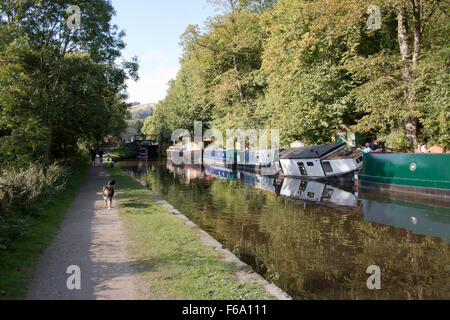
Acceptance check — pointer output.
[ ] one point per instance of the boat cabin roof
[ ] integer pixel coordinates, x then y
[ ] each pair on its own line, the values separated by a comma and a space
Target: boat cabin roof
311, 152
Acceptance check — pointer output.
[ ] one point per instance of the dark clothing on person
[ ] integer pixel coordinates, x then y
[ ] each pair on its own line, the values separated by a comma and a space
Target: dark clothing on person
100, 155
93, 155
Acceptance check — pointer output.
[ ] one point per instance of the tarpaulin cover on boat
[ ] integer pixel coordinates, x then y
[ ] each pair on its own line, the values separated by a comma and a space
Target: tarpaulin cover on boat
311, 151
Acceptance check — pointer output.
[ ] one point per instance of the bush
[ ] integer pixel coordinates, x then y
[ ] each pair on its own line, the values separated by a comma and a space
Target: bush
396, 141
22, 191
11, 229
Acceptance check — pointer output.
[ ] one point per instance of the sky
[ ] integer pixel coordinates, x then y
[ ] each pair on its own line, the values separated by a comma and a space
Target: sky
153, 30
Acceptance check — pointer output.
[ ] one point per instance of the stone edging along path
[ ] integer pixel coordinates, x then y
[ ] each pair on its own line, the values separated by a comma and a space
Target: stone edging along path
246, 272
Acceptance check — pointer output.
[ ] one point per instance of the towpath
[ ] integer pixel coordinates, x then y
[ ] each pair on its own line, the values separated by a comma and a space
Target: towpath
90, 238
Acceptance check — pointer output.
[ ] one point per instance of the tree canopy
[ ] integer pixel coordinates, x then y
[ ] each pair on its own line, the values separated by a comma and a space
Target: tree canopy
59, 86
309, 67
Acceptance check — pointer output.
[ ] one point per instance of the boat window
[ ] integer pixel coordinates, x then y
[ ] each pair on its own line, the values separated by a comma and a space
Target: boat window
303, 185
301, 167
327, 166
310, 164
359, 160
311, 194
327, 194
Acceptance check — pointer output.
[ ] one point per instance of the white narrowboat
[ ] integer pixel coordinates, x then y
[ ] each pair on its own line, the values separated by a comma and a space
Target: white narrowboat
320, 162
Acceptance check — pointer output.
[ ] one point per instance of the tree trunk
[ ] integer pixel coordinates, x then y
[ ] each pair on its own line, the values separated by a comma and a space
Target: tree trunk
410, 122
233, 44
48, 156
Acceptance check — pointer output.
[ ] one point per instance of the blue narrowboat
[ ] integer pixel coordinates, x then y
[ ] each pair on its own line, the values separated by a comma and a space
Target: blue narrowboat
265, 162
220, 157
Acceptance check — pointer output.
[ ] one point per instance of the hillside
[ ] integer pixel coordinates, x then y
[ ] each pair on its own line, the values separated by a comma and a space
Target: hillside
142, 111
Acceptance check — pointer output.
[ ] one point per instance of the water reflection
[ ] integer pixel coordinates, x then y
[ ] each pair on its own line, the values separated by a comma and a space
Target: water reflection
419, 218
321, 248
317, 192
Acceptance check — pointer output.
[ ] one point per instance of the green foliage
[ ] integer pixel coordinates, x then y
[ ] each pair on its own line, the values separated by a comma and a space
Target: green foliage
306, 67
59, 87
396, 140
25, 192
22, 191
433, 97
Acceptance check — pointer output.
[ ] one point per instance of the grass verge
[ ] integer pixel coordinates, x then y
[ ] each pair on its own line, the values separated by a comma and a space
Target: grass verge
171, 262
17, 264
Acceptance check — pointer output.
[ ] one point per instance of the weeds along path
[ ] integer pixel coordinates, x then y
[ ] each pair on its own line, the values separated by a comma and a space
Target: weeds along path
91, 239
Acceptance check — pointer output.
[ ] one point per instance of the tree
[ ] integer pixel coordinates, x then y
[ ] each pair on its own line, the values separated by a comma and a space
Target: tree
65, 82
421, 12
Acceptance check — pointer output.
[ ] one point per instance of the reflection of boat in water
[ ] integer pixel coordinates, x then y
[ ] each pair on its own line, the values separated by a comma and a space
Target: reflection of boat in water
320, 162
421, 219
317, 192
259, 182
191, 173
220, 172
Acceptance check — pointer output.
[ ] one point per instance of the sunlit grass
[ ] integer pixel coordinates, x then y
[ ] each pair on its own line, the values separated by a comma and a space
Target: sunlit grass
171, 261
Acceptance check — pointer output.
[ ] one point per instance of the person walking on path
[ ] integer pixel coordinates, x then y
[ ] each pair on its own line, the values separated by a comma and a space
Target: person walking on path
93, 155
100, 154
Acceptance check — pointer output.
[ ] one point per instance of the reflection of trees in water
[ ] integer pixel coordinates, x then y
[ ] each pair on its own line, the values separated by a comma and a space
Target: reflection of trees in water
311, 251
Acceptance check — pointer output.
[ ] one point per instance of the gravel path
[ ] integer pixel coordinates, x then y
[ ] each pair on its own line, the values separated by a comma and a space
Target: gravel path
90, 237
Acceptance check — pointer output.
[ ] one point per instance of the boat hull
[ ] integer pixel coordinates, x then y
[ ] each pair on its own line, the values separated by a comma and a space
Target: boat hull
221, 158
315, 169
425, 174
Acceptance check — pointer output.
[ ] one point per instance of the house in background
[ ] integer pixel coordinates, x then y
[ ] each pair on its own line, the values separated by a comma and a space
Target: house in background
129, 135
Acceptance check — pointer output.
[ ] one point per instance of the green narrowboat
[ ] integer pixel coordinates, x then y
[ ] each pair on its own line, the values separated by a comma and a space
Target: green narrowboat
420, 173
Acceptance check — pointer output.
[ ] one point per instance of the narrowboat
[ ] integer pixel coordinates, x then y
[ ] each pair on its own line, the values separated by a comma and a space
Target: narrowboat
187, 153
265, 162
142, 153
317, 192
174, 153
423, 174
321, 162
219, 157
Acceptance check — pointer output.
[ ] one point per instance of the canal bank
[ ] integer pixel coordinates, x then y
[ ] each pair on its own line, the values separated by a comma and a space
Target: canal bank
313, 241
172, 261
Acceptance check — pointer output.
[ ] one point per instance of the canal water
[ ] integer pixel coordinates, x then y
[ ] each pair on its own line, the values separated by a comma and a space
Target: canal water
314, 241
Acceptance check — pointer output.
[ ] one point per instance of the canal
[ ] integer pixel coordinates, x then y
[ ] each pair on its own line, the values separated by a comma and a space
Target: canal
314, 241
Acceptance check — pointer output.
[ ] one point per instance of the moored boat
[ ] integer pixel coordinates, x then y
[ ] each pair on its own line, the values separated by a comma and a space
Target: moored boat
142, 153
174, 152
188, 154
420, 173
320, 162
219, 157
265, 162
